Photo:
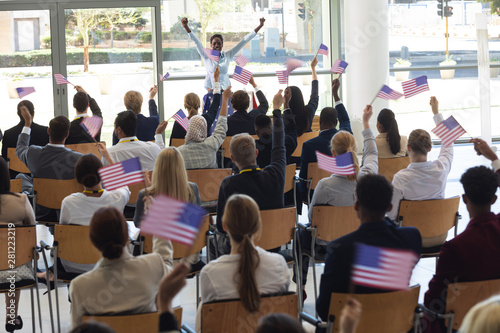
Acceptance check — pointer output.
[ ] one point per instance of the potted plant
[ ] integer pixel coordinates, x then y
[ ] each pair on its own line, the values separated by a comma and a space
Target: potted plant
403, 75
494, 71
447, 73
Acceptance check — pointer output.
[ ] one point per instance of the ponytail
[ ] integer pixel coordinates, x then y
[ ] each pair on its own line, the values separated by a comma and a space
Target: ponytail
355, 161
247, 284
192, 104
387, 119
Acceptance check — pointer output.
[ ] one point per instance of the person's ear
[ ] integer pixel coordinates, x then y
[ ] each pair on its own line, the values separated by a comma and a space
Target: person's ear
390, 208
408, 148
232, 158
494, 200
48, 131
333, 153
356, 205
465, 199
256, 153
224, 226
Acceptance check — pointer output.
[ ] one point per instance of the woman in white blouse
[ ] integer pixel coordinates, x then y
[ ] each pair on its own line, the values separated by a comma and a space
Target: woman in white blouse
248, 271
389, 143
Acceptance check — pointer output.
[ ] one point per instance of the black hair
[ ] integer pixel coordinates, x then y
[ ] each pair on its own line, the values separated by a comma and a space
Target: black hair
328, 117
298, 108
387, 119
86, 170
109, 232
374, 193
240, 101
59, 128
279, 323
262, 121
127, 121
480, 185
28, 105
216, 36
81, 101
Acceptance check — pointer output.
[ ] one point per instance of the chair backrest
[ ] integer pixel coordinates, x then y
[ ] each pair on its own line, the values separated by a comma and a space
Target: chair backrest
208, 181
16, 185
178, 142
231, 316
51, 192
332, 222
85, 148
462, 296
290, 177
391, 312
316, 174
431, 217
300, 141
25, 241
388, 167
315, 124
227, 141
73, 244
133, 323
135, 189
15, 163
278, 227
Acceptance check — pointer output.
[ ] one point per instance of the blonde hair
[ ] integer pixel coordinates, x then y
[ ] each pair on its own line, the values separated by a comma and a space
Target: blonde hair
420, 141
343, 142
242, 147
242, 220
192, 104
170, 177
133, 101
484, 317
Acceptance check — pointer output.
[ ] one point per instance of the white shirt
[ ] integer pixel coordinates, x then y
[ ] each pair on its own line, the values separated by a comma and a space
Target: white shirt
495, 165
128, 148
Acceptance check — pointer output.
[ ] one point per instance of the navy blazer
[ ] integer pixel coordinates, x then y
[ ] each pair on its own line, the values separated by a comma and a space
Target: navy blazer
340, 256
242, 121
76, 132
146, 126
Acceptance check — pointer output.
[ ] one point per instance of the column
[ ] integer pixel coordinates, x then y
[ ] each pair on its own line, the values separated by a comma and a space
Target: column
483, 62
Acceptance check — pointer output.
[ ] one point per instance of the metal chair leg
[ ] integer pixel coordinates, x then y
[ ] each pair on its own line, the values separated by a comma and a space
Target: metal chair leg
56, 287
51, 310
197, 290
313, 257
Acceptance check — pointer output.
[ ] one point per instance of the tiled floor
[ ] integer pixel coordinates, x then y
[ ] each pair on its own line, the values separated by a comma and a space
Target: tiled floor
464, 158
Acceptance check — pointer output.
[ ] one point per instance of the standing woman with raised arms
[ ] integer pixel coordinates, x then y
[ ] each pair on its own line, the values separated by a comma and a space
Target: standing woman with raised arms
216, 43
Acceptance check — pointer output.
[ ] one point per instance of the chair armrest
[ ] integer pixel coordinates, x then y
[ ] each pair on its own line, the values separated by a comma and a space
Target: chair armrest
45, 246
312, 320
302, 180
187, 329
433, 314
301, 226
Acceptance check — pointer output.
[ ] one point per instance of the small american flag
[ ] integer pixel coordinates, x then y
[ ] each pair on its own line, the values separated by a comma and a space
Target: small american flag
242, 60
387, 93
448, 131
292, 64
212, 54
61, 79
282, 77
181, 118
121, 174
339, 66
242, 75
383, 268
323, 49
92, 125
164, 77
415, 86
339, 165
24, 91
172, 219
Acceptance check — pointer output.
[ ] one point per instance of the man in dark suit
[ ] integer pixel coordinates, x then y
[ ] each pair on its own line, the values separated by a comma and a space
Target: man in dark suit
374, 195
328, 119
39, 134
52, 161
81, 102
473, 254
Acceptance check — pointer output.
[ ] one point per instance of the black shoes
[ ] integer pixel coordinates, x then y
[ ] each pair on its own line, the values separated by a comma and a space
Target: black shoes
12, 327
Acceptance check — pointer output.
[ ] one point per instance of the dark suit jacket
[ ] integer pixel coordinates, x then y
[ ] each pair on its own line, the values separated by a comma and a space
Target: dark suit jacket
471, 256
340, 255
243, 122
76, 132
146, 126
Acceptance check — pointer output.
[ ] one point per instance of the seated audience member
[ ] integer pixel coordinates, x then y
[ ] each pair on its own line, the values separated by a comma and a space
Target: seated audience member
482, 148
141, 275
374, 193
129, 145
264, 186
422, 179
484, 317
468, 256
242, 121
389, 143
39, 134
248, 271
338, 190
146, 126
14, 209
327, 124
192, 104
53, 161
279, 323
81, 102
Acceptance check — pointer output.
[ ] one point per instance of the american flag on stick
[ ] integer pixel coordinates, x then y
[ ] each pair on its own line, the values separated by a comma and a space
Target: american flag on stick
382, 268
387, 93
282, 77
323, 49
60, 79
172, 219
292, 64
242, 60
181, 118
339, 66
92, 125
339, 165
164, 77
448, 131
242, 75
121, 174
212, 54
24, 91
415, 86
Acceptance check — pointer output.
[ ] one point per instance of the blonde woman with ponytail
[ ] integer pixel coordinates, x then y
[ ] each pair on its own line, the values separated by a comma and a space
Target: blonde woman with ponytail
248, 271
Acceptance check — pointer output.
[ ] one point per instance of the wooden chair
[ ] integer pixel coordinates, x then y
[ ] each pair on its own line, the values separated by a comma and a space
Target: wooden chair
231, 316
135, 189
315, 124
133, 323
226, 152
178, 142
431, 217
388, 167
51, 192
85, 148
300, 141
16, 185
314, 175
15, 164
208, 181
290, 177
25, 252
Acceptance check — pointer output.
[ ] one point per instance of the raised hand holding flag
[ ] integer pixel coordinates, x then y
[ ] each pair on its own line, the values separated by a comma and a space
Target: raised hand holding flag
242, 75
282, 77
121, 174
164, 77
181, 118
24, 91
60, 79
212, 54
387, 93
339, 66
448, 131
415, 86
323, 49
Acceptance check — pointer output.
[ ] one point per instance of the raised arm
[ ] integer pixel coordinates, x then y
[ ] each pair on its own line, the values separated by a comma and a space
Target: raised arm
94, 107
23, 140
263, 103
312, 106
342, 116
197, 43
216, 139
153, 109
231, 53
314, 63
278, 154
370, 154
482, 148
445, 154
211, 114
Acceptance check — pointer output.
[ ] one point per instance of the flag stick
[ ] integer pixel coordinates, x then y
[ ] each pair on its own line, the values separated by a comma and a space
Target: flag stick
373, 100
